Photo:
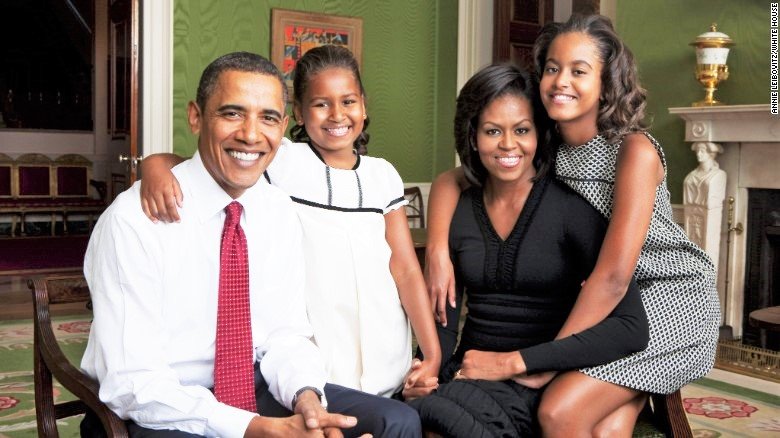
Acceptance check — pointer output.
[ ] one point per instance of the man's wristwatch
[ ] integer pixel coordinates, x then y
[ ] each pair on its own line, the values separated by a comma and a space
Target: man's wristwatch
319, 393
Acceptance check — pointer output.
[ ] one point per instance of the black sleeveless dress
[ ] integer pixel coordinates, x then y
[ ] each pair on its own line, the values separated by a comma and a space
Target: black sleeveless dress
519, 292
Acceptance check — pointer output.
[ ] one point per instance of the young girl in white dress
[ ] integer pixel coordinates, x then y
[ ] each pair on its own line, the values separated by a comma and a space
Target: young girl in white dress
363, 278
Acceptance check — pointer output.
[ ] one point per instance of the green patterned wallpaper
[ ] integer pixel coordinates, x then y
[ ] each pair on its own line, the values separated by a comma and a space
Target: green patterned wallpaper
409, 68
659, 31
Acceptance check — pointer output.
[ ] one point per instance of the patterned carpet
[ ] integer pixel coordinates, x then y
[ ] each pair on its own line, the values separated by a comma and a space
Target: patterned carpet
17, 396
715, 409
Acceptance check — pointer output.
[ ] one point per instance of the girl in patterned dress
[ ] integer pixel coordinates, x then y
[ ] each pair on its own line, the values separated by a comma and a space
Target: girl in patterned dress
362, 276
589, 86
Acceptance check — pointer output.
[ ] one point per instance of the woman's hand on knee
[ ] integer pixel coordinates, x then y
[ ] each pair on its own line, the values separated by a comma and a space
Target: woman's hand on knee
491, 365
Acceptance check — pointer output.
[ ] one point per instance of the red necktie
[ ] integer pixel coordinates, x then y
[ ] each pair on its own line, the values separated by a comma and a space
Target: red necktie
233, 365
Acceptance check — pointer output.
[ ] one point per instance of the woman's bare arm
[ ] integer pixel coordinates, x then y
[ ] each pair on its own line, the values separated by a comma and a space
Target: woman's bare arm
439, 273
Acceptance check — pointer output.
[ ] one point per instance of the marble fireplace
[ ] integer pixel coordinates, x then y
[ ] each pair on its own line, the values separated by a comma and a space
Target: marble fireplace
746, 261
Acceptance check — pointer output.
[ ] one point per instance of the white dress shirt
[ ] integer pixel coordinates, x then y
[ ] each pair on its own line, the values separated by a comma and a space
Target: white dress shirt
154, 290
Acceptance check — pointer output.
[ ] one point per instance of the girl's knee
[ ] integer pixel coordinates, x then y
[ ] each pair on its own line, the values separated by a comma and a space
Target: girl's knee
612, 429
553, 415
558, 418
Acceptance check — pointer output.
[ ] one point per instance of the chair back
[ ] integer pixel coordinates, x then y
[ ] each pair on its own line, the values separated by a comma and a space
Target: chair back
72, 174
6, 171
415, 210
49, 361
34, 176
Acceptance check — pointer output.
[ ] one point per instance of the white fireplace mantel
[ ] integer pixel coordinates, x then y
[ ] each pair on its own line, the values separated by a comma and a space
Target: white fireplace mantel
729, 123
750, 136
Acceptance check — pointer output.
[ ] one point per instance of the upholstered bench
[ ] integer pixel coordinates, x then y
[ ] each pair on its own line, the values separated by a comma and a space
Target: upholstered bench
34, 184
7, 189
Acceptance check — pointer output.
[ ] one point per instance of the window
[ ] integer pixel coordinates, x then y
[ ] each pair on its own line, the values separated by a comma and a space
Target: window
46, 76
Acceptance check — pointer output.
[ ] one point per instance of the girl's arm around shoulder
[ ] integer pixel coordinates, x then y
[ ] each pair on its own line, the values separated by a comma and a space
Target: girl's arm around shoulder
439, 274
161, 195
623, 332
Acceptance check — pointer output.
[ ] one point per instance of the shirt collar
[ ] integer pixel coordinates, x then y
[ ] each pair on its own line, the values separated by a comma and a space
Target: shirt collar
208, 198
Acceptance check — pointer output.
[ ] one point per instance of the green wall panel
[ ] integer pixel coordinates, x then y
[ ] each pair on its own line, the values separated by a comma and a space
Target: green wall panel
659, 32
409, 68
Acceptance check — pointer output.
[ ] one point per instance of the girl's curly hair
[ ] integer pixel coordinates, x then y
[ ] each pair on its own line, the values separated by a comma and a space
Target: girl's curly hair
623, 100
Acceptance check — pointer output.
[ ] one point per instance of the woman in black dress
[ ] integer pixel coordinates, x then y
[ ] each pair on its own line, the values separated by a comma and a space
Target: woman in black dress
521, 244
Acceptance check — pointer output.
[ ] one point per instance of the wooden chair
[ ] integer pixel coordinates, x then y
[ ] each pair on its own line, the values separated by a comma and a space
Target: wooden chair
48, 361
670, 409
415, 210
664, 416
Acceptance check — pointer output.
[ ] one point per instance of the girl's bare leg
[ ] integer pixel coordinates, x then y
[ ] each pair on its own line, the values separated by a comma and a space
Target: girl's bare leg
575, 405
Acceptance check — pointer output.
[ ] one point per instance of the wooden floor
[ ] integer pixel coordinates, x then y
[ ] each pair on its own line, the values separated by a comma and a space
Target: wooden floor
16, 300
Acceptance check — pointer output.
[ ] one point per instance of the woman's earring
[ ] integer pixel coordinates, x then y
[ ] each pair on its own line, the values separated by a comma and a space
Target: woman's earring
364, 116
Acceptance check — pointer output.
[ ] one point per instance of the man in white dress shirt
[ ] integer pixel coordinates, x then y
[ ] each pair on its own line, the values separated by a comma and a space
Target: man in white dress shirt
155, 287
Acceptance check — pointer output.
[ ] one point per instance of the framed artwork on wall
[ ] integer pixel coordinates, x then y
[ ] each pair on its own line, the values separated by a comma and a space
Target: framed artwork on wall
293, 33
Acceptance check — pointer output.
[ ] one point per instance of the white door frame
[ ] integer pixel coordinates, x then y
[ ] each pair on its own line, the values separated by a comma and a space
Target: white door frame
157, 77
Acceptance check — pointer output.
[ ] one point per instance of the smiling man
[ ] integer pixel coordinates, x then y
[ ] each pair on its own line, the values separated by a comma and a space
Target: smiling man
201, 324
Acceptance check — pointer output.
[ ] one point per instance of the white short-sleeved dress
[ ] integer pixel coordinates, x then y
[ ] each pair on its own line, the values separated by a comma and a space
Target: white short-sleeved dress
675, 277
352, 300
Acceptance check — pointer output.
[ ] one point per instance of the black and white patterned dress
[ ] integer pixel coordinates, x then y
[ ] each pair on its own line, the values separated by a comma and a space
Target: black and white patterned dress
676, 279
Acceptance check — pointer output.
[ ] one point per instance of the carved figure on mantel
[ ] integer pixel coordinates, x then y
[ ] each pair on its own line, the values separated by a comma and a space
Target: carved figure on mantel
704, 190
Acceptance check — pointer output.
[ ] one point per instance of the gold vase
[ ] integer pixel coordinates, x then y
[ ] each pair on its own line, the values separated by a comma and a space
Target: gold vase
709, 75
712, 49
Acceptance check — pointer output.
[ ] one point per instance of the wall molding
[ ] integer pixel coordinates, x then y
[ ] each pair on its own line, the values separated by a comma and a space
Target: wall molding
475, 37
157, 77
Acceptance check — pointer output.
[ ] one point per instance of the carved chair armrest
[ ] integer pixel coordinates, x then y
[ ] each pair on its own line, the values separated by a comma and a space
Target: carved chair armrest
669, 410
49, 355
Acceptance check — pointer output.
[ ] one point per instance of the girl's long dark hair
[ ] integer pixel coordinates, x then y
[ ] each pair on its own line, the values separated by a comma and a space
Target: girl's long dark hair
623, 100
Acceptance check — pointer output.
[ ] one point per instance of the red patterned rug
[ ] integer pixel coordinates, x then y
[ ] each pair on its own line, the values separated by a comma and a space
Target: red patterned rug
718, 410
31, 255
